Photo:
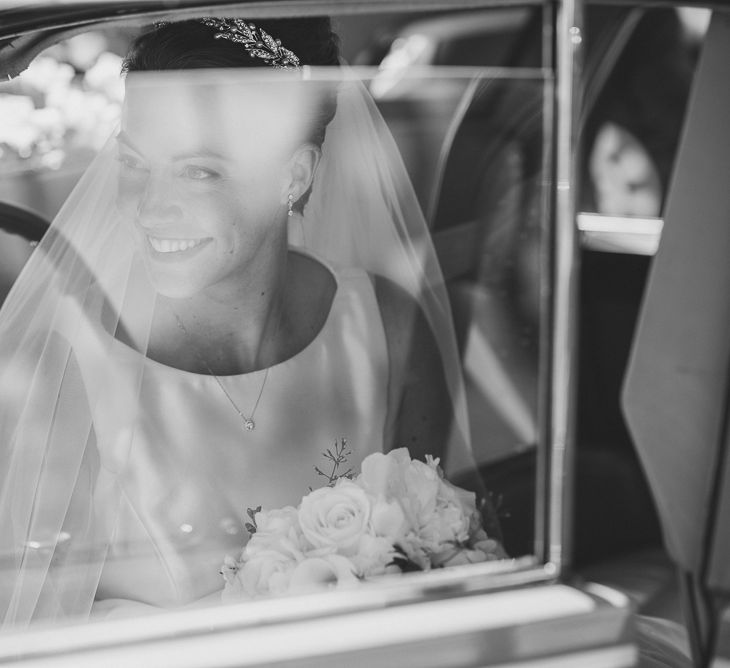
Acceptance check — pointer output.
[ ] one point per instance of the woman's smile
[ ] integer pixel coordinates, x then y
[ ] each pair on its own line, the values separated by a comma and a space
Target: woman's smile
176, 246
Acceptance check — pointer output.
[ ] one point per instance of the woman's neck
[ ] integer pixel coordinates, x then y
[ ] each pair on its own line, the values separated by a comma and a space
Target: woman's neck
272, 321
227, 332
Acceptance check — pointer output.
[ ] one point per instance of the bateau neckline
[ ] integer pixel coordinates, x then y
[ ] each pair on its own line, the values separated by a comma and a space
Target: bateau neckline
253, 374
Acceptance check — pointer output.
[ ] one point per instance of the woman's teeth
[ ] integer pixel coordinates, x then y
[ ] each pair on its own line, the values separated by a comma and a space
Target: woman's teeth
173, 245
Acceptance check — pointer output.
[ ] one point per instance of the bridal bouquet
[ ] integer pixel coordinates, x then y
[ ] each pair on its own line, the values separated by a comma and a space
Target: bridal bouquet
397, 515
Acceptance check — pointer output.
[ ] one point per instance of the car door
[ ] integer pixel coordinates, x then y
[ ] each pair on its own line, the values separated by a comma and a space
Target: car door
497, 150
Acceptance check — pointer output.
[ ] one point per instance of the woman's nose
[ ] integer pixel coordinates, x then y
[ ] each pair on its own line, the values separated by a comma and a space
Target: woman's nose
158, 203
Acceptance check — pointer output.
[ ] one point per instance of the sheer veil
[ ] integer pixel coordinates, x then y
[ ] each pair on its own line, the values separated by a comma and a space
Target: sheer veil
386, 234
84, 291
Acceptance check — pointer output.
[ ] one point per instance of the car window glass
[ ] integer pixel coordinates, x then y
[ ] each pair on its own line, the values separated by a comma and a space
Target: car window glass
468, 108
639, 67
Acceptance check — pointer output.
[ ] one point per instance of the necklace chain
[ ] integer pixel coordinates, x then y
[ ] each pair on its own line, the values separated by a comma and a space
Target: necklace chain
248, 422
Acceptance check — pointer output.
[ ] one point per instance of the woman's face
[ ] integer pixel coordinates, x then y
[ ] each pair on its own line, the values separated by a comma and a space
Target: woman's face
203, 178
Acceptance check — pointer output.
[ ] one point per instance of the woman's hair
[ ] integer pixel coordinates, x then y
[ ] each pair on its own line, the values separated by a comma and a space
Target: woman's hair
191, 44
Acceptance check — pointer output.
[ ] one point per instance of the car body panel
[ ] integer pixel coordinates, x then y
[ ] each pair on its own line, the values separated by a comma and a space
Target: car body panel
548, 625
675, 395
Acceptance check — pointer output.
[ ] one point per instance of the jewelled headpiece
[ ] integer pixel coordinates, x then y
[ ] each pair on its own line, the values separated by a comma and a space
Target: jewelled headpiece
257, 42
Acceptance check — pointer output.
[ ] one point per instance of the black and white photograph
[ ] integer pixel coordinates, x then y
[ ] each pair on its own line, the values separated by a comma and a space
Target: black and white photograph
370, 333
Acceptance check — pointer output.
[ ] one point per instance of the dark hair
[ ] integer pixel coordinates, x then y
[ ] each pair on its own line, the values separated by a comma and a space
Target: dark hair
191, 44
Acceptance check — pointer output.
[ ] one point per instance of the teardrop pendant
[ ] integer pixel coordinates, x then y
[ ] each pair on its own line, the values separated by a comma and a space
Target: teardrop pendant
248, 423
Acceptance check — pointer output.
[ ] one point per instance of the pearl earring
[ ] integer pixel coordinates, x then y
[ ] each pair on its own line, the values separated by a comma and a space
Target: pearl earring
290, 205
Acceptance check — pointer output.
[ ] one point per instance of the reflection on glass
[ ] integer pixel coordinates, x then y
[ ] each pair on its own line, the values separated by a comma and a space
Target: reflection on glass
475, 147
639, 67
243, 359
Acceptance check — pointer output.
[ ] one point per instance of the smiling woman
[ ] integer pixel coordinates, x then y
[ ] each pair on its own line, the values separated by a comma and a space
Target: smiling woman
242, 278
195, 172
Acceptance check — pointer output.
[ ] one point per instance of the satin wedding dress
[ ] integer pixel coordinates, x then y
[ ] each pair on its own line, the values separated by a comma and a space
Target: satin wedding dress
192, 469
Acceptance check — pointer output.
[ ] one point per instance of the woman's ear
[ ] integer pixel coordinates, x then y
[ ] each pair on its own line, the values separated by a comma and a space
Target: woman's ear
301, 170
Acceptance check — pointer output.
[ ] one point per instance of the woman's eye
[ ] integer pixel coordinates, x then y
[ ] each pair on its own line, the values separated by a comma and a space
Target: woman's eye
130, 163
197, 173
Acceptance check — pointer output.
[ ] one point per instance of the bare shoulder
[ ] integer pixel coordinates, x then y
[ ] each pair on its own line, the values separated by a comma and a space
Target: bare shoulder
419, 408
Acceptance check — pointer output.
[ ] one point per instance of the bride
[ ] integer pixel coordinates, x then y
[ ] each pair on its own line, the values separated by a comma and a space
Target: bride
241, 279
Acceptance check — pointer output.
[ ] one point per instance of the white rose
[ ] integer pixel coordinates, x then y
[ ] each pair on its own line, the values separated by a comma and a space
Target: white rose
336, 518
268, 572
314, 573
457, 556
441, 514
414, 507
455, 508
277, 530
423, 480
486, 549
388, 520
233, 589
447, 524
383, 474
422, 487
458, 495
375, 557
491, 548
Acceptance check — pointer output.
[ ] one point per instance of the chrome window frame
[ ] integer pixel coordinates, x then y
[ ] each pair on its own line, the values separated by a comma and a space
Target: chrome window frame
550, 562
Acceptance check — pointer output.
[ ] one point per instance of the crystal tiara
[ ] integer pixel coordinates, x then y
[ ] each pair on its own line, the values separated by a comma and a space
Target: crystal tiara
257, 42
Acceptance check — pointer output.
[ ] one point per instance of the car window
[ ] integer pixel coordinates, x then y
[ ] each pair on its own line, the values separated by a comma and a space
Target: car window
474, 137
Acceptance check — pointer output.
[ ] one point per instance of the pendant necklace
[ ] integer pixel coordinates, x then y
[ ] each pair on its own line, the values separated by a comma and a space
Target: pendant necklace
248, 421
